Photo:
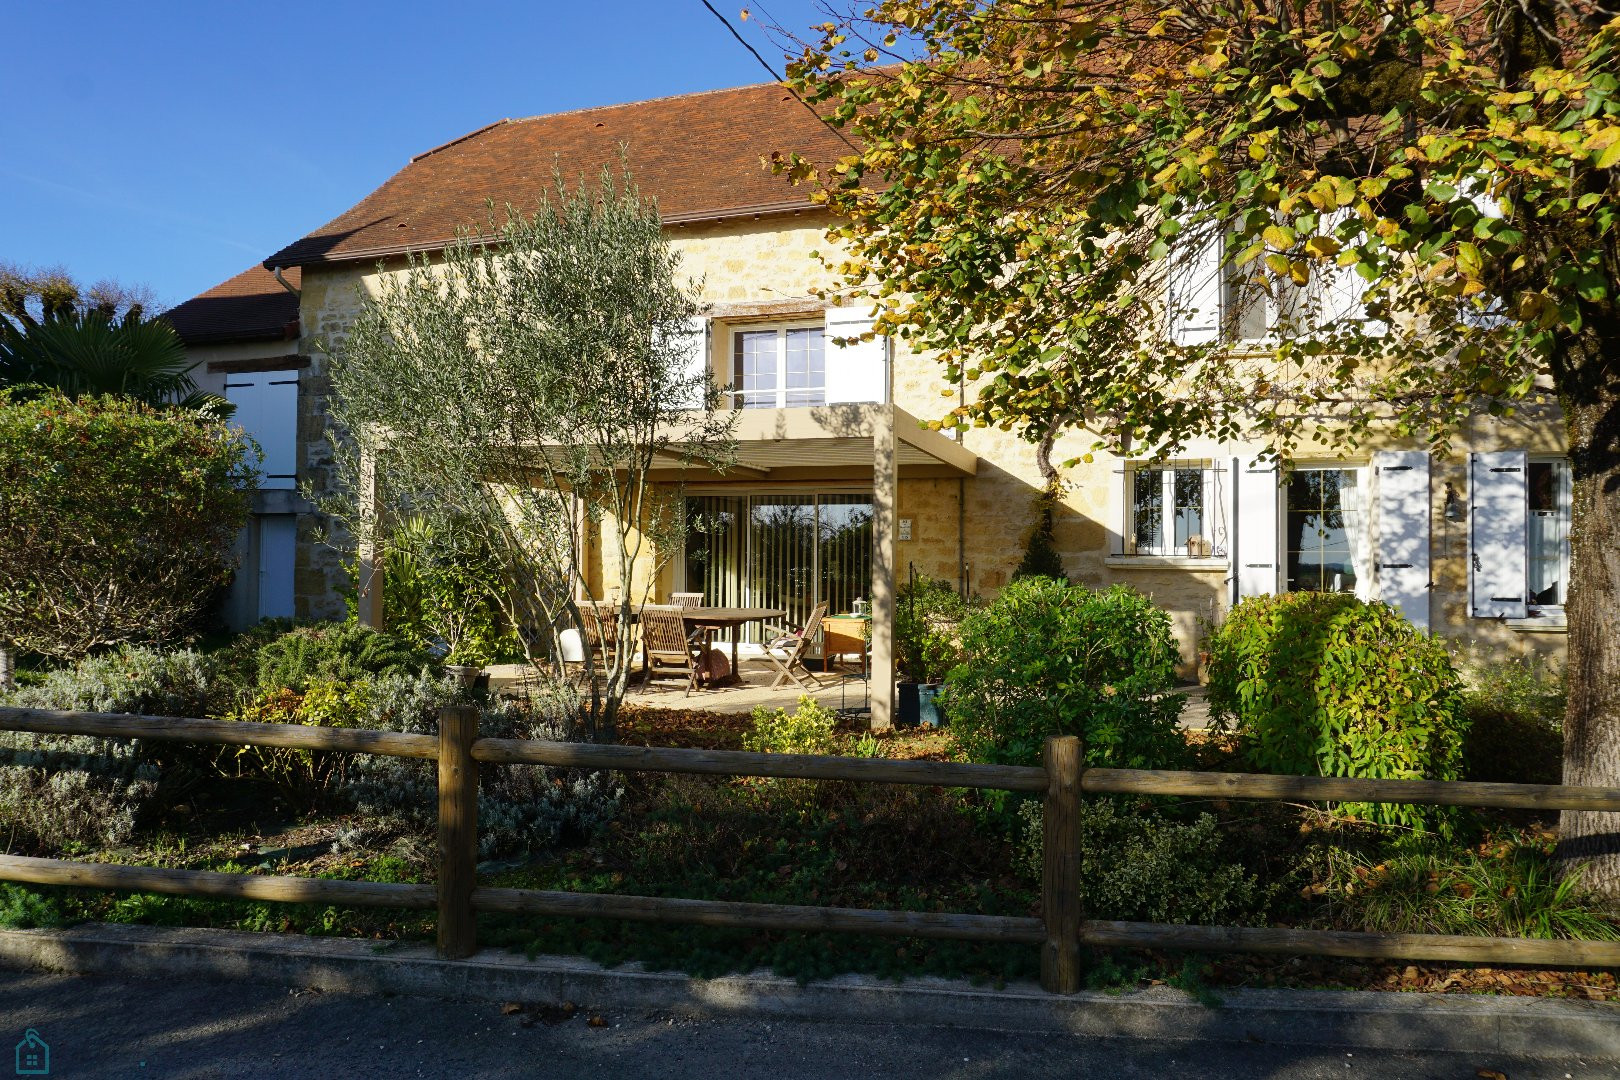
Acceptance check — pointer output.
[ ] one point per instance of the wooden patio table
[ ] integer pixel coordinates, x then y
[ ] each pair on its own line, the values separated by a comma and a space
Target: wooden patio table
710, 619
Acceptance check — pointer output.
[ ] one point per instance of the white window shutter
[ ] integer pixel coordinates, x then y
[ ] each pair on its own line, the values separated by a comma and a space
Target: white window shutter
693, 368
1340, 291
858, 371
1255, 524
1401, 565
1118, 509
279, 434
1498, 526
267, 409
1195, 285
242, 391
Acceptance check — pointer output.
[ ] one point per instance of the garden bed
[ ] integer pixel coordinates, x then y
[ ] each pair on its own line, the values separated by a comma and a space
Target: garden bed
787, 842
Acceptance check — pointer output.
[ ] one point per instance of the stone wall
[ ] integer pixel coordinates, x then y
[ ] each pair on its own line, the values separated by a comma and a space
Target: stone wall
763, 267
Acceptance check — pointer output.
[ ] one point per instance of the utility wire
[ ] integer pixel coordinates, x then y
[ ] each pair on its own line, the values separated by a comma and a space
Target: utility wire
775, 77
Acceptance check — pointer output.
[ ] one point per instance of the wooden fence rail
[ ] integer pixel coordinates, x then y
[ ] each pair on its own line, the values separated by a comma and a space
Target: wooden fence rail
1061, 930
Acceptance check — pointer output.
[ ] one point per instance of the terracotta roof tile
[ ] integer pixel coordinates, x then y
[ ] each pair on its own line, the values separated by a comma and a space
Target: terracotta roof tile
252, 306
699, 155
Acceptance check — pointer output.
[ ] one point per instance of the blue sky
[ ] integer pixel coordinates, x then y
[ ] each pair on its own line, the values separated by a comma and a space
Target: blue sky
176, 144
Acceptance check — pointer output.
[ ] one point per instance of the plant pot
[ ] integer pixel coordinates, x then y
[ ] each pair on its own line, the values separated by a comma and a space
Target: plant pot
928, 713
906, 705
471, 676
1203, 669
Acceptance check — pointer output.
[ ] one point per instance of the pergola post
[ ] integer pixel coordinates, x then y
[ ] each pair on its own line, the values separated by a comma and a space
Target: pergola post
371, 572
885, 497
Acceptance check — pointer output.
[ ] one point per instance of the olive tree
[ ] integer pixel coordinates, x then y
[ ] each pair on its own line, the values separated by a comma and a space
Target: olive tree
525, 384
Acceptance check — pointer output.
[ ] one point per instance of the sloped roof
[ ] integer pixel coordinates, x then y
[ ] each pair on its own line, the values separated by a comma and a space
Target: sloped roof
252, 306
700, 155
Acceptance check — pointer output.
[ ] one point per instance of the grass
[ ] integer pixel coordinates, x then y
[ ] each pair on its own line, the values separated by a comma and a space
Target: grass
1506, 885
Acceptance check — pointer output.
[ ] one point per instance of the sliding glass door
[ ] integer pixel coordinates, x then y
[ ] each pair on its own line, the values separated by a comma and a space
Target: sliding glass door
779, 551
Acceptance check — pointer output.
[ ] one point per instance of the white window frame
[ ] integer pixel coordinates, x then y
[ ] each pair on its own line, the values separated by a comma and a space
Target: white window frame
781, 330
1212, 511
1564, 508
1360, 553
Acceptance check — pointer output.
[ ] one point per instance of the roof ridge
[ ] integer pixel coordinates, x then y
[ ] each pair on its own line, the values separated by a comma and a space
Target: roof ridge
591, 109
644, 101
460, 139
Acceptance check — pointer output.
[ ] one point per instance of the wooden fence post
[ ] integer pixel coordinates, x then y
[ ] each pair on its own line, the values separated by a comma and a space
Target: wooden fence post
458, 830
1060, 871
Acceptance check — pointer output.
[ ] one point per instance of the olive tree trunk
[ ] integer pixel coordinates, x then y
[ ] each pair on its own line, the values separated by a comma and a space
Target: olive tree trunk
1590, 394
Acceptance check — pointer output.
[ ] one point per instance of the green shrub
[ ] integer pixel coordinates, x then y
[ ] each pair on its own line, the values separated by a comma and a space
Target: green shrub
1515, 709
928, 630
1041, 558
24, 909
1050, 658
522, 809
441, 588
340, 652
235, 664
809, 729
128, 679
119, 520
304, 773
1144, 867
1322, 684
66, 789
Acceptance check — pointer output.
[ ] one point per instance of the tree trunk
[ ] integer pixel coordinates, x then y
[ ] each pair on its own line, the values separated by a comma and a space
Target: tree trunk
1591, 399
8, 666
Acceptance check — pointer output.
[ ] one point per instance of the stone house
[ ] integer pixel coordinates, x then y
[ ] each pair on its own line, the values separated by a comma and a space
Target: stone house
1472, 545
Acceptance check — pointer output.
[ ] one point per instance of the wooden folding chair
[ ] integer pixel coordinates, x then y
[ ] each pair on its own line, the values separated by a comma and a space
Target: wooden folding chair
666, 650
686, 599
786, 651
599, 624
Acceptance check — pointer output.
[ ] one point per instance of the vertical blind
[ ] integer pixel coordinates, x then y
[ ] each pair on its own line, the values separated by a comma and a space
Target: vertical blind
779, 551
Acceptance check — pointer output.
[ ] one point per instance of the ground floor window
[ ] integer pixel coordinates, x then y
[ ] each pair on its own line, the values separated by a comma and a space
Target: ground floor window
1322, 530
1168, 512
1175, 508
788, 551
1547, 539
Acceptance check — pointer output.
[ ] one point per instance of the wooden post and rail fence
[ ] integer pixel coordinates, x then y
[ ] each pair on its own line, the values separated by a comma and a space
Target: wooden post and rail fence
1061, 930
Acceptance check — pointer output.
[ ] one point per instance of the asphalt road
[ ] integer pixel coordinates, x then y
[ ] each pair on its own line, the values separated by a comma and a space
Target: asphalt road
123, 1027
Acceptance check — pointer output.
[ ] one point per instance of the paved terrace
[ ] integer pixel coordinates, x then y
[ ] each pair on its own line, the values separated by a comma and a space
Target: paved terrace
840, 692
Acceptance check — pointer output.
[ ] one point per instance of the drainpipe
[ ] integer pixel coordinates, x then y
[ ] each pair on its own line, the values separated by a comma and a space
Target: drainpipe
961, 503
961, 536
285, 284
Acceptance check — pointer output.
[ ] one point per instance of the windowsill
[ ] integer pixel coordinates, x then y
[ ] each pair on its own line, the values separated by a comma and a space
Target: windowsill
1540, 624
1209, 563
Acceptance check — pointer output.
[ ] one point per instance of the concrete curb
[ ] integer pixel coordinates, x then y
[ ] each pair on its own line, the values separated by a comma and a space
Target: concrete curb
1372, 1020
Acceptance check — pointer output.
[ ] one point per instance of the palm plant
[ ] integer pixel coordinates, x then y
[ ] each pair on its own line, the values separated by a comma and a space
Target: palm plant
88, 353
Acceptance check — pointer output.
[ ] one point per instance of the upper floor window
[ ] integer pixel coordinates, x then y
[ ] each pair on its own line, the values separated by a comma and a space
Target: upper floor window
780, 367
1210, 298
